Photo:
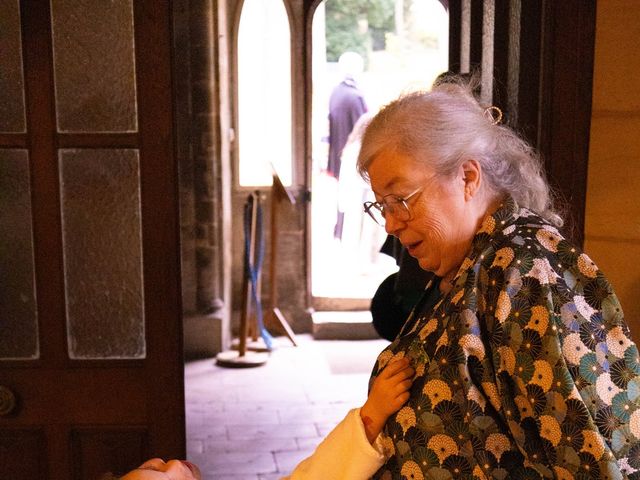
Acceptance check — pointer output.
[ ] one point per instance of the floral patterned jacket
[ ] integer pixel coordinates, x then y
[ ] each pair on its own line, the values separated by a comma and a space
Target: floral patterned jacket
525, 369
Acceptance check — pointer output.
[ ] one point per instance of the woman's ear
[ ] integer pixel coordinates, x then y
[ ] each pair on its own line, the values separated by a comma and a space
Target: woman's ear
472, 177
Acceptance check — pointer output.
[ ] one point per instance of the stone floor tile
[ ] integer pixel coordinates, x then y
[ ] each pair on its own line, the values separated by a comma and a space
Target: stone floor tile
243, 418
325, 428
241, 477
313, 413
308, 443
196, 446
203, 430
217, 445
272, 476
251, 407
236, 463
257, 424
291, 393
240, 432
287, 461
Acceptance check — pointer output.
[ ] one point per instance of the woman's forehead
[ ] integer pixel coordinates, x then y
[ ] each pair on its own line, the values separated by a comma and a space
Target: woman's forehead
388, 170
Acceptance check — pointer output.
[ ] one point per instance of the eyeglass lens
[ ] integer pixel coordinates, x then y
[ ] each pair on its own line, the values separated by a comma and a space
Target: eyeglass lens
392, 206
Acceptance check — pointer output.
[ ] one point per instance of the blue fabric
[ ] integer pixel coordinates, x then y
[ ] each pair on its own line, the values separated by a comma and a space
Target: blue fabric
253, 269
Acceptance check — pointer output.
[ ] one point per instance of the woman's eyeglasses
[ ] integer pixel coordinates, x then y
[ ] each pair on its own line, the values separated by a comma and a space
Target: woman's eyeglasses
390, 205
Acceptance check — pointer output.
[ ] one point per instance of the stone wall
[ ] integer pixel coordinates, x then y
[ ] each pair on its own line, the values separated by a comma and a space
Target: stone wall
290, 268
204, 210
211, 203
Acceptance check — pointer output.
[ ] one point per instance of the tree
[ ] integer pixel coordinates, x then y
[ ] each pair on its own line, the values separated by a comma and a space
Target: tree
357, 25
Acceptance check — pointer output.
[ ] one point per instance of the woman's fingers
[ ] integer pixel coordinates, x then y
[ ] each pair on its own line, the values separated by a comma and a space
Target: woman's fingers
401, 387
178, 470
408, 372
394, 367
406, 384
403, 397
174, 469
153, 463
398, 401
403, 374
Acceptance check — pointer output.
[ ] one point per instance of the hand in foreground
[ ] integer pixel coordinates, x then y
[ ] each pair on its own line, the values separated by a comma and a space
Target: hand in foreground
390, 390
158, 469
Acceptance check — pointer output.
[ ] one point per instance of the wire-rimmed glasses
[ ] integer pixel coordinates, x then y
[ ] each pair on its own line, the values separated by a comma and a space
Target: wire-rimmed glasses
390, 205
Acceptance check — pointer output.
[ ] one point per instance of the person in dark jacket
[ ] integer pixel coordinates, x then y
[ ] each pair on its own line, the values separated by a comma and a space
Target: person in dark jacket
346, 106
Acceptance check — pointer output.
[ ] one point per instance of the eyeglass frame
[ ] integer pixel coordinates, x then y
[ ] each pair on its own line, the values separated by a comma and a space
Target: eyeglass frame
380, 206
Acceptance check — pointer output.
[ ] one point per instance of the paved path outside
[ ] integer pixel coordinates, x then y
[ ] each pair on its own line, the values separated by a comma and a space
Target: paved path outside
258, 423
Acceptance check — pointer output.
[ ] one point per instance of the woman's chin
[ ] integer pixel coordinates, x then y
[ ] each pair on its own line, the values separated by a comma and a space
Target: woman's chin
426, 265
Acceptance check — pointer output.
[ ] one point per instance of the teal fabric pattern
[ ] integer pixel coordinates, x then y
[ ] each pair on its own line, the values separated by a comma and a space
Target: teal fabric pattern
525, 369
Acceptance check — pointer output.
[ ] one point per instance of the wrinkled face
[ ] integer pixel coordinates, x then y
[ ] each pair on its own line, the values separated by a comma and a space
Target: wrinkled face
441, 225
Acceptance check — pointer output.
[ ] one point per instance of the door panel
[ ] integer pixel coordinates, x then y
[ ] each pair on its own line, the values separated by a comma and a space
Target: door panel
22, 454
91, 446
89, 242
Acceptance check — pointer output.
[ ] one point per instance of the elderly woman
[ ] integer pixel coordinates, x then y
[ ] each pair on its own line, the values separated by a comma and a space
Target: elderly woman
524, 365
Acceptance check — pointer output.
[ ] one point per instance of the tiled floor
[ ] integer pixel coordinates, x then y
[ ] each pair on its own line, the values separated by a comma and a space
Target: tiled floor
257, 423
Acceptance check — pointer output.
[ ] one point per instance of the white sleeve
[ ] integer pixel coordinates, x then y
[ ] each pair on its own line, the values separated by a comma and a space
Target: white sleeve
345, 454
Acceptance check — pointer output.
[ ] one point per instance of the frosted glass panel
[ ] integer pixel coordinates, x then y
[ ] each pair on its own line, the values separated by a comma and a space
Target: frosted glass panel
93, 52
102, 244
18, 317
12, 117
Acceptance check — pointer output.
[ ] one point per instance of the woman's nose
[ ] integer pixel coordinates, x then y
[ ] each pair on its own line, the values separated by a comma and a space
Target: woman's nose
392, 225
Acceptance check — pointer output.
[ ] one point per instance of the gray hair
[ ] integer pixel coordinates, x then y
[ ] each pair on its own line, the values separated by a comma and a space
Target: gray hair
446, 127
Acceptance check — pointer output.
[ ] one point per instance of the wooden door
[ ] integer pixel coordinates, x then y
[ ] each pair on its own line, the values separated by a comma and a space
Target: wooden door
91, 373
537, 57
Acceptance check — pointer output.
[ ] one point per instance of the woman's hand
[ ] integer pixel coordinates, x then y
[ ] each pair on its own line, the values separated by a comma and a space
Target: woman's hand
390, 390
158, 469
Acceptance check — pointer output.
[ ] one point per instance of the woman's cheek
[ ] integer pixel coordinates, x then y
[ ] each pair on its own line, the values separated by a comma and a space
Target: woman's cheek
434, 231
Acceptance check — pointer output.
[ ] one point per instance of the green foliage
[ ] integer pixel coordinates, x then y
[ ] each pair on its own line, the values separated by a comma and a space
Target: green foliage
380, 14
356, 25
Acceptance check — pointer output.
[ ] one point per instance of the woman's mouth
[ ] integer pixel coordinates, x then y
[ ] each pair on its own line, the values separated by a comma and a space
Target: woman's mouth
411, 248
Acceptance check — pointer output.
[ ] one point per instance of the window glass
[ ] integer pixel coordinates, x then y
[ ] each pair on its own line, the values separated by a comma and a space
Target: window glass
18, 312
264, 93
12, 117
102, 242
94, 67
